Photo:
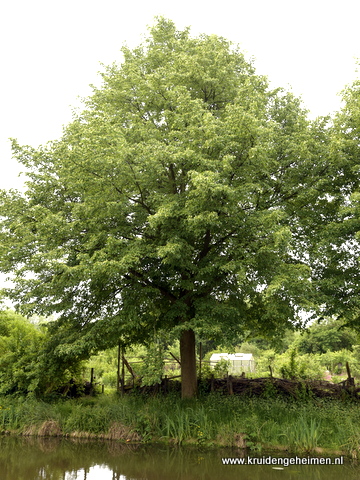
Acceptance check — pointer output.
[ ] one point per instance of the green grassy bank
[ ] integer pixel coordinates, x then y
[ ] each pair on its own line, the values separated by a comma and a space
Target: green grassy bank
254, 423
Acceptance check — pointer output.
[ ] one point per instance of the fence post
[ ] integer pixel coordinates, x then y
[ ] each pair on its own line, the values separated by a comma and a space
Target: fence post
166, 384
212, 388
230, 385
350, 379
118, 370
122, 371
92, 381
200, 357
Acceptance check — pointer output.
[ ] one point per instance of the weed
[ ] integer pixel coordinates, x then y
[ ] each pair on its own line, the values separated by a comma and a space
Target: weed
270, 390
304, 434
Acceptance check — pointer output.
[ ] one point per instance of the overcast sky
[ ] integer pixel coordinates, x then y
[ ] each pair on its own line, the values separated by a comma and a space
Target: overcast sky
51, 51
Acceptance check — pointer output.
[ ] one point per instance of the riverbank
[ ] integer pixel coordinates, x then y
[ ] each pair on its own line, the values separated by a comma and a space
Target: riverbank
253, 423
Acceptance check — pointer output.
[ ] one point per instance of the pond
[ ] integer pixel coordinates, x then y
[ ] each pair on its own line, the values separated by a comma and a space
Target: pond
65, 459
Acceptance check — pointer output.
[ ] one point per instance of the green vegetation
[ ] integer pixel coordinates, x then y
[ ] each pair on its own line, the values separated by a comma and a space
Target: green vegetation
187, 204
20, 342
287, 358
254, 423
305, 425
30, 366
188, 199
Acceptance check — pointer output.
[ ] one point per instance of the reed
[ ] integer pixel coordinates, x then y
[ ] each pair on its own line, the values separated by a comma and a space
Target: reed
304, 435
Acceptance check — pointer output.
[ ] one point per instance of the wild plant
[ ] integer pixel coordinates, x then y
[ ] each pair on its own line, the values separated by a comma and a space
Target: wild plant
304, 434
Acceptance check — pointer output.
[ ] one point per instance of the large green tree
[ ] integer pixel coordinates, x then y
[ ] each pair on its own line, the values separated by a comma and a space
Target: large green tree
186, 197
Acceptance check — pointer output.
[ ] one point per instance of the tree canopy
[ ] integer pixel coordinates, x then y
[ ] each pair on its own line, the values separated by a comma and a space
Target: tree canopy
187, 197
329, 336
336, 261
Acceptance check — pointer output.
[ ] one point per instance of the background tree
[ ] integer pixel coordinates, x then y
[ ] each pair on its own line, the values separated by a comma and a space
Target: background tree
30, 361
185, 198
320, 338
20, 343
335, 256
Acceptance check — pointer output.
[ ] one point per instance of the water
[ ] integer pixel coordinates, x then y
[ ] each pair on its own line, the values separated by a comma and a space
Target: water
64, 459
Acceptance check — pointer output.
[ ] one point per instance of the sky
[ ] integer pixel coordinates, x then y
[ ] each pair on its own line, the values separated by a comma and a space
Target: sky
51, 51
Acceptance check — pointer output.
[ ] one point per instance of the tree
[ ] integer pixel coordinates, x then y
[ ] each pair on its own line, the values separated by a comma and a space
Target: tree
329, 336
20, 342
28, 364
185, 198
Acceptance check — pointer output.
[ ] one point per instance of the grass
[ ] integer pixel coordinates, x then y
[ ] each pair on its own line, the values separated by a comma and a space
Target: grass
256, 423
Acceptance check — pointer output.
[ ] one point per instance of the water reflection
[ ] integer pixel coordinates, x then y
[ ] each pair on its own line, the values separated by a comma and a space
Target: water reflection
65, 459
95, 473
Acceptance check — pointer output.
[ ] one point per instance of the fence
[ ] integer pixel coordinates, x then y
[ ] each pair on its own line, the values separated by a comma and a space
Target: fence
128, 378
129, 370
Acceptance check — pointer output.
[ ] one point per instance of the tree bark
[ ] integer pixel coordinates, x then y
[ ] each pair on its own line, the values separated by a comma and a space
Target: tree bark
188, 364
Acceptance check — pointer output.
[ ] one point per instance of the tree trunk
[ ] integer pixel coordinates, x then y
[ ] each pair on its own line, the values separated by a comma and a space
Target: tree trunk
188, 364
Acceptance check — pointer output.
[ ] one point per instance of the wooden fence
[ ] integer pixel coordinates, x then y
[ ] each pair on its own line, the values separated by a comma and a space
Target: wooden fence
128, 379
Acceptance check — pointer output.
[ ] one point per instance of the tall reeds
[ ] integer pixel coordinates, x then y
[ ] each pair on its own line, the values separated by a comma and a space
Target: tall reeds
212, 420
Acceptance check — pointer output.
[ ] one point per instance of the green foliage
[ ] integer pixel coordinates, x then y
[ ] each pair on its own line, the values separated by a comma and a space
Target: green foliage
221, 368
292, 370
280, 342
305, 435
263, 361
337, 266
20, 345
248, 347
291, 365
270, 390
329, 336
296, 362
152, 368
217, 419
109, 379
184, 186
105, 366
30, 363
335, 361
